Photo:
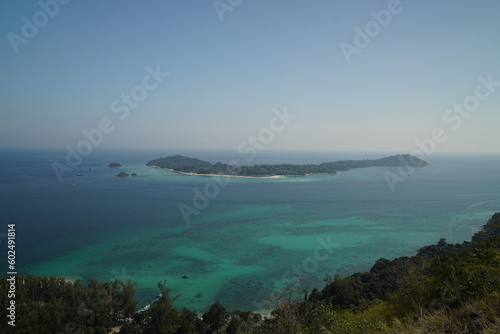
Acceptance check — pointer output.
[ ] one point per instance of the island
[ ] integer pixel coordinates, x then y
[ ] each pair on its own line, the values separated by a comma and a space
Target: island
191, 166
114, 165
123, 174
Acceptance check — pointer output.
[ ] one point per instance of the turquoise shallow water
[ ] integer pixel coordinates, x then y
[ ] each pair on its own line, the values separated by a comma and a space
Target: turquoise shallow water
254, 237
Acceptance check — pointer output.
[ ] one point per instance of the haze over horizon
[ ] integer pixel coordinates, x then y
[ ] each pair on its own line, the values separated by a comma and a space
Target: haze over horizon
353, 77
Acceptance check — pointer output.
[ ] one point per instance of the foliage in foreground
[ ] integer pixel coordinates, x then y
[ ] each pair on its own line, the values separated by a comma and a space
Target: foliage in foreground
444, 288
54, 305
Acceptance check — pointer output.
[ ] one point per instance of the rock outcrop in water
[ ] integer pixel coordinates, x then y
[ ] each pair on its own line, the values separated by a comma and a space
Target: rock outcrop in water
123, 174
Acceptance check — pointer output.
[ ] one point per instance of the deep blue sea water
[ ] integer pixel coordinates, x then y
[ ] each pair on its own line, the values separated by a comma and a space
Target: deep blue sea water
255, 236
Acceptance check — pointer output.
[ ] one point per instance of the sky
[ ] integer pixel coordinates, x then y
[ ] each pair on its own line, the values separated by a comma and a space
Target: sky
349, 75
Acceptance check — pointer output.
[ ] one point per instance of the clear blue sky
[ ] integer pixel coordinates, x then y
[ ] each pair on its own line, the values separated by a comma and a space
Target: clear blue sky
227, 76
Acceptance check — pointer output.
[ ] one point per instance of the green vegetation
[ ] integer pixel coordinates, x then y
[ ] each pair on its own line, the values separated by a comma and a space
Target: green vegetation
179, 163
444, 288
54, 305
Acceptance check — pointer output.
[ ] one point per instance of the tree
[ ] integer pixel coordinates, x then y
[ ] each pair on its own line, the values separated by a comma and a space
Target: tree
127, 301
162, 317
216, 318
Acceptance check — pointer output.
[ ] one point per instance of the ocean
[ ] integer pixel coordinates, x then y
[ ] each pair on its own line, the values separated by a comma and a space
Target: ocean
242, 242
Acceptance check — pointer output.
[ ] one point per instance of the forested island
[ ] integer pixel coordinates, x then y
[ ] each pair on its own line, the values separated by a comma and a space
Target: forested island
444, 288
182, 164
